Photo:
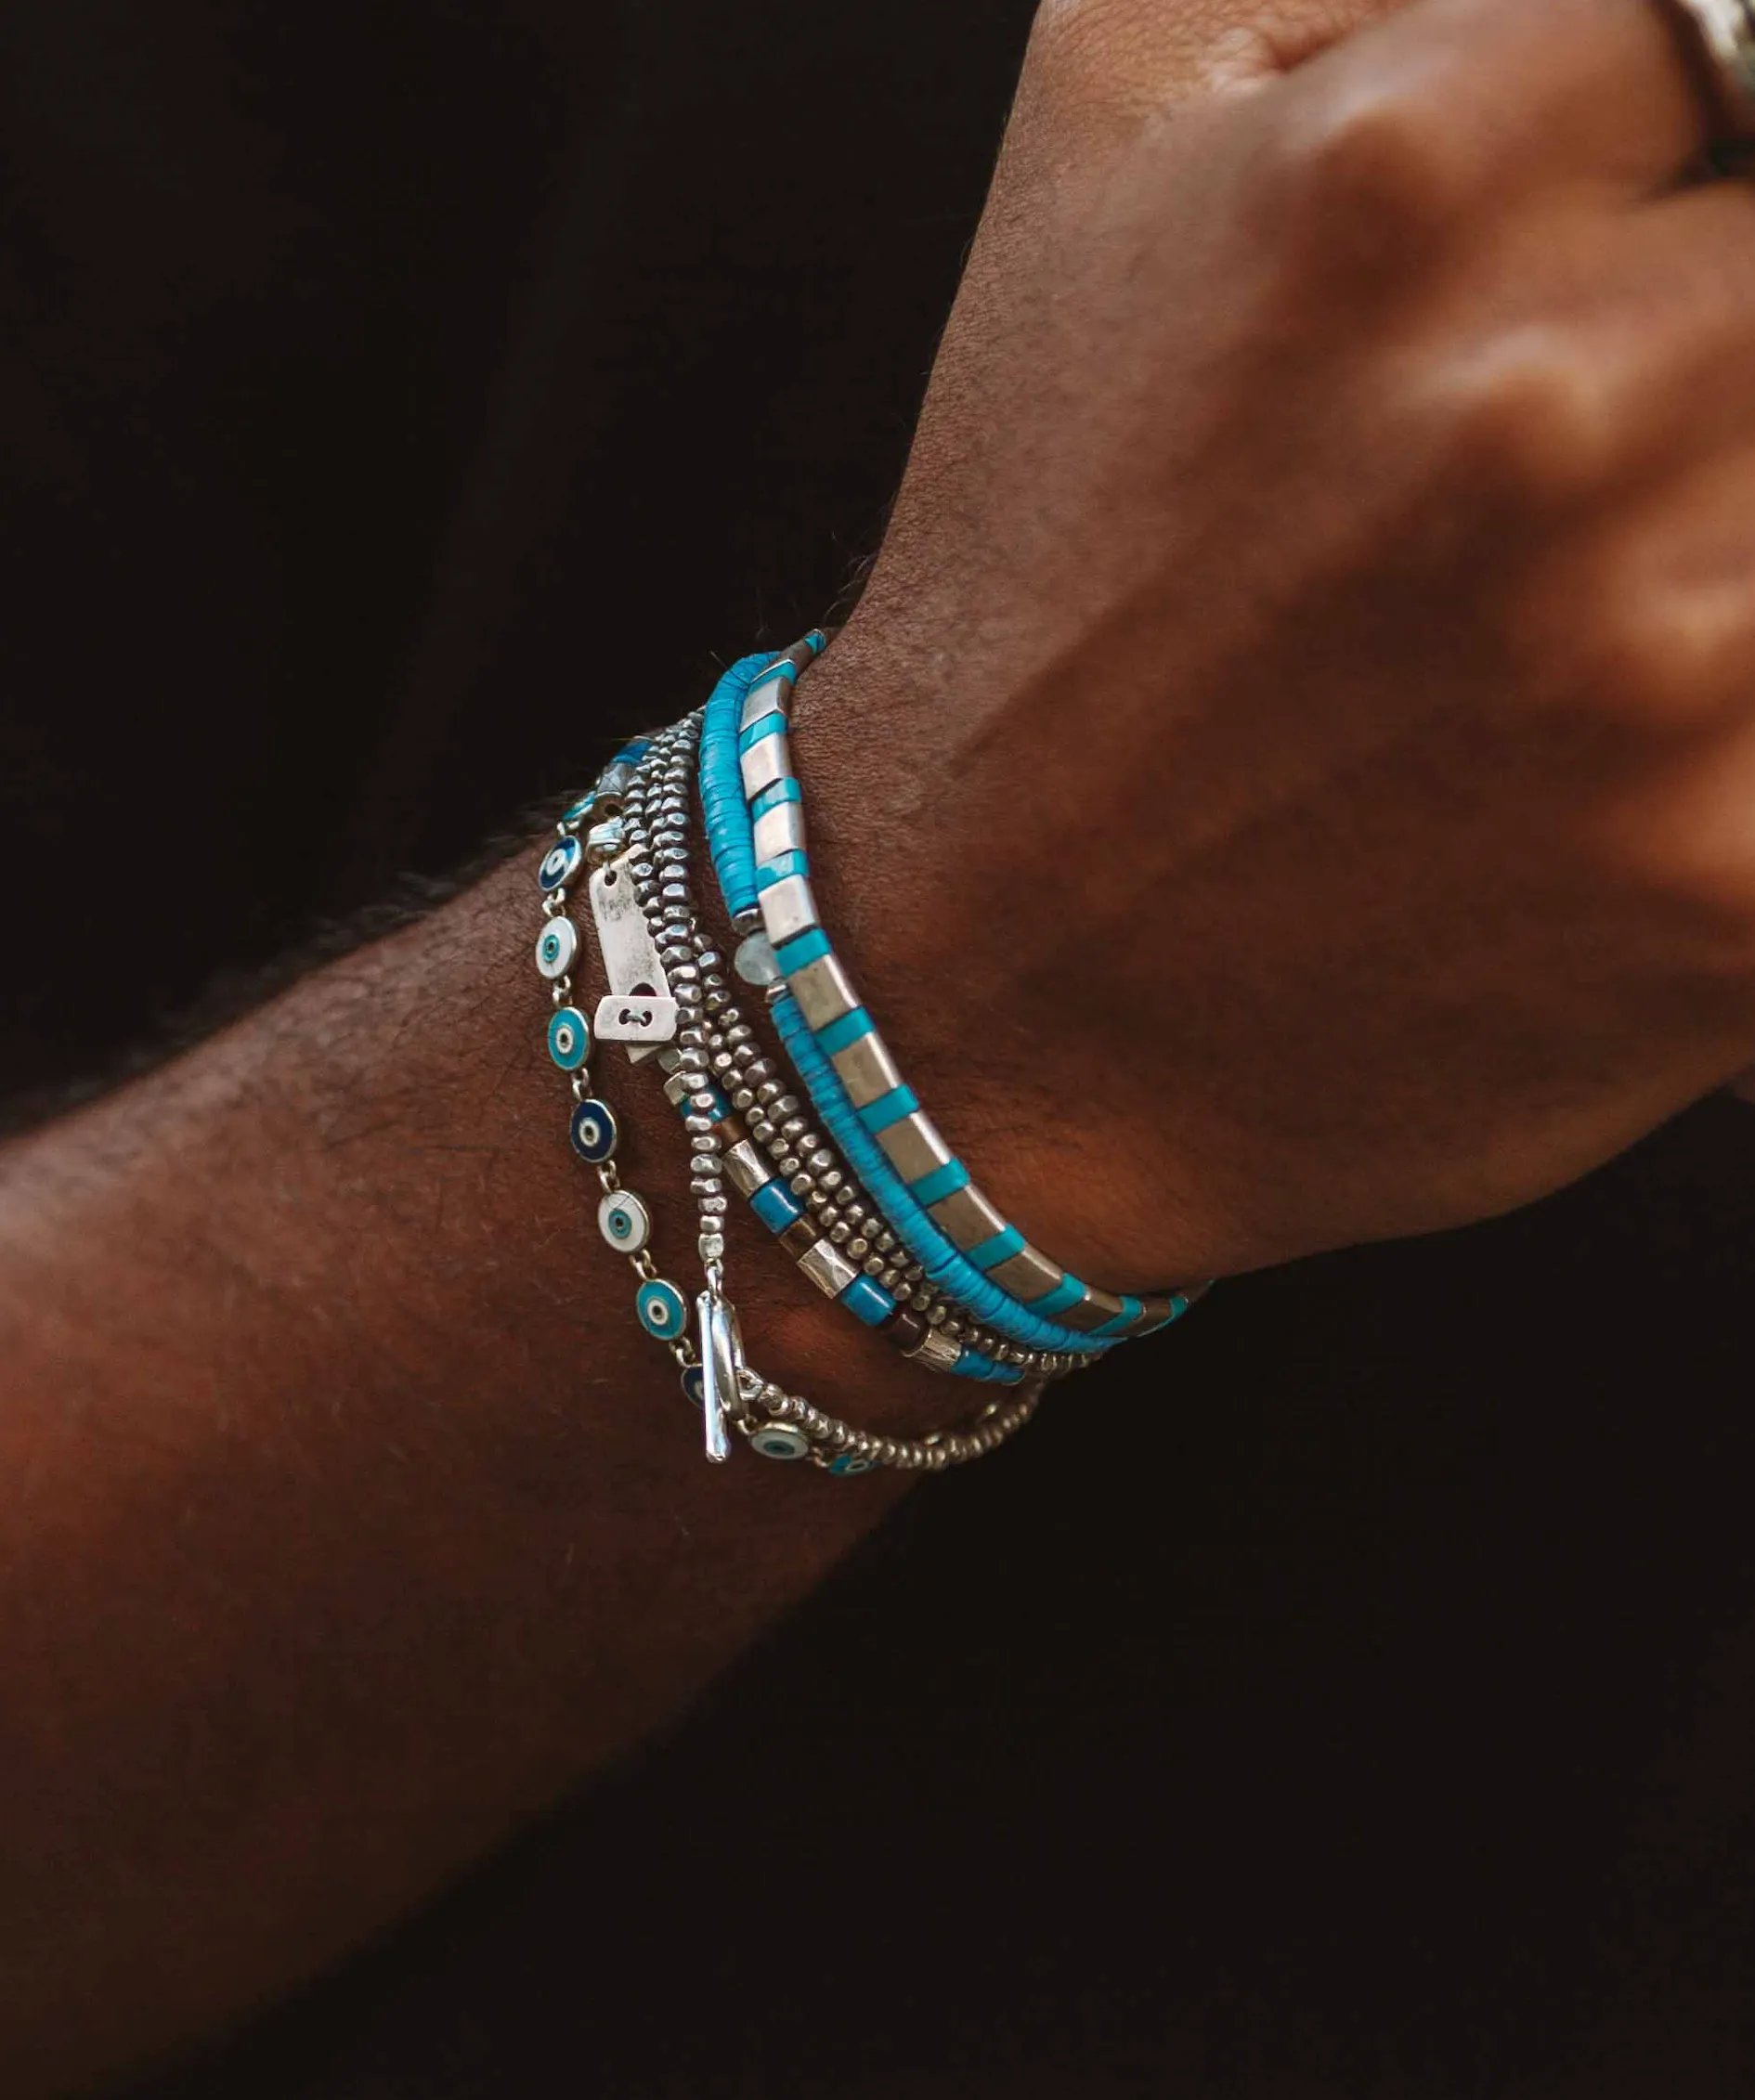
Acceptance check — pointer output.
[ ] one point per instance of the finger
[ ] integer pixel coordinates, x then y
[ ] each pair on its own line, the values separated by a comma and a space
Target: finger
1512, 98
1624, 358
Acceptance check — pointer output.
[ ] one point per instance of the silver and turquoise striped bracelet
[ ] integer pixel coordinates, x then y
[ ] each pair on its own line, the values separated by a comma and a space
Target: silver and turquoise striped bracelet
715, 1374
756, 828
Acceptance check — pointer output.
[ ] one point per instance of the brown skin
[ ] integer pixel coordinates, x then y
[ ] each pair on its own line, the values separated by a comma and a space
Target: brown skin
1322, 580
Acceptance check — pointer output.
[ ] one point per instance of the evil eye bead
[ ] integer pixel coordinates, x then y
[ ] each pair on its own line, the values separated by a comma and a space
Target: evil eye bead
779, 1440
570, 1038
695, 1385
557, 946
662, 1310
847, 1466
594, 1132
625, 1222
559, 862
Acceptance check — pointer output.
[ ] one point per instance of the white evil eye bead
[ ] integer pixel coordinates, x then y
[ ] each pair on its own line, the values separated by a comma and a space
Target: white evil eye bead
570, 1038
594, 1132
847, 1465
662, 1311
695, 1385
625, 1222
558, 863
776, 1440
557, 946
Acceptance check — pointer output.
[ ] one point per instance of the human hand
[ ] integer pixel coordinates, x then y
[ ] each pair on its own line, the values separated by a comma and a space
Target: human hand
1316, 638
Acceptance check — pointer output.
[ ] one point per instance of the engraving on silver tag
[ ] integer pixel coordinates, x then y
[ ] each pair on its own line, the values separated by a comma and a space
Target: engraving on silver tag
630, 955
631, 1017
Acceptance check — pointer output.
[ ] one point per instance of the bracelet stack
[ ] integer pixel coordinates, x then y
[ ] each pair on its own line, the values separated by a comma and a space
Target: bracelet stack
854, 1180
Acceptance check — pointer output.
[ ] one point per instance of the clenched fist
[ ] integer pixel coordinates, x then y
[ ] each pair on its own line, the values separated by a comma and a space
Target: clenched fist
1291, 777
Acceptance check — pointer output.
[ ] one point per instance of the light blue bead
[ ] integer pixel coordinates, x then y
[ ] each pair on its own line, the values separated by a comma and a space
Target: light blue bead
786, 790
1124, 1320
1000, 1247
770, 724
776, 1205
941, 1182
838, 1034
808, 947
1068, 1292
558, 863
570, 1038
662, 1309
889, 1108
795, 861
868, 1300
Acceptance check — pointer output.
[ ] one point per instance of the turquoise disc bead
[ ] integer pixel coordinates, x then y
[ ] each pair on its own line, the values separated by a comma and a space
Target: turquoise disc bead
570, 1038
662, 1309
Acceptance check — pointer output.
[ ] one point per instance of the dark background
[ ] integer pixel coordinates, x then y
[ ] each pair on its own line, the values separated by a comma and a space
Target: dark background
1352, 1695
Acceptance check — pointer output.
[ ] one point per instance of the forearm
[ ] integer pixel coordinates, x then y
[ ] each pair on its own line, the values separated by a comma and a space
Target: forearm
349, 1514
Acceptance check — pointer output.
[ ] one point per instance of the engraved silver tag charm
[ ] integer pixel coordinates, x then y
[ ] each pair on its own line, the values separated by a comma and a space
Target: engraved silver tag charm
630, 955
631, 1017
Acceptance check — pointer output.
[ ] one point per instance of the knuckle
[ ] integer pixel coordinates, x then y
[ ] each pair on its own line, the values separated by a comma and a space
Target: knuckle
1362, 174
1529, 424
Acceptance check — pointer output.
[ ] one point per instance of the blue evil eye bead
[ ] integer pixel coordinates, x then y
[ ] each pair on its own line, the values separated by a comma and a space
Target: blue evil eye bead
594, 1132
779, 1440
570, 1038
557, 946
694, 1386
559, 862
847, 1466
661, 1308
624, 1220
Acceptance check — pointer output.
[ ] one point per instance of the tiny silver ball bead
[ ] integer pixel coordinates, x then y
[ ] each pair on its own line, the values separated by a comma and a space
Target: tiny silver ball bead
853, 1213
800, 1184
788, 1167
858, 1249
767, 1091
953, 1330
711, 1247
792, 1128
685, 973
819, 1203
823, 1162
839, 1231
762, 1070
698, 1126
722, 1061
787, 1105
687, 997
743, 1099
872, 1265
833, 1178
714, 1205
761, 1129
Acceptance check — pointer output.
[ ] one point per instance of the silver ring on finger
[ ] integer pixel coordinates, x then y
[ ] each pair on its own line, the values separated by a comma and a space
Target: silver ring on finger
1724, 32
